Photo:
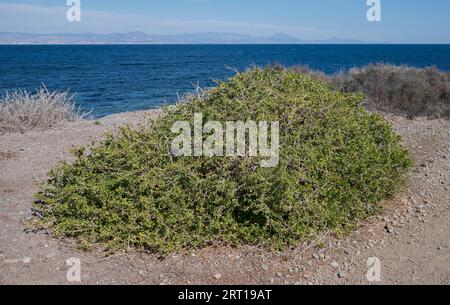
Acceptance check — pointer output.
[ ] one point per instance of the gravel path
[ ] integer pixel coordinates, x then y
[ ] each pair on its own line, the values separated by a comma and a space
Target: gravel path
410, 241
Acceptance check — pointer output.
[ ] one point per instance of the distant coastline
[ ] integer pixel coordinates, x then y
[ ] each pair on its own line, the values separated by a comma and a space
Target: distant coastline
141, 38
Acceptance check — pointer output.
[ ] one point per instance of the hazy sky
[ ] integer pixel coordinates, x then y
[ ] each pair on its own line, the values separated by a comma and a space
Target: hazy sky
403, 21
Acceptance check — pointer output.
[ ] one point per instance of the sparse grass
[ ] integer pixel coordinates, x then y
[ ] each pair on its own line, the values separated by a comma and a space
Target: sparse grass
21, 111
337, 163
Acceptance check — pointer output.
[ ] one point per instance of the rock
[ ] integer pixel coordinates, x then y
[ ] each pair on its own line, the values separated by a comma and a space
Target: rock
389, 228
341, 275
217, 276
334, 264
26, 260
51, 255
293, 270
265, 267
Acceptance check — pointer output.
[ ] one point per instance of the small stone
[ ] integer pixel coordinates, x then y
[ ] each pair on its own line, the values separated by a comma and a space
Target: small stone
334, 264
26, 260
341, 275
293, 270
389, 229
265, 267
217, 276
51, 255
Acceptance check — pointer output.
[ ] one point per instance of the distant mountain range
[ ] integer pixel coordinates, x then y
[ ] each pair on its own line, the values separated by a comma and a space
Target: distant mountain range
143, 38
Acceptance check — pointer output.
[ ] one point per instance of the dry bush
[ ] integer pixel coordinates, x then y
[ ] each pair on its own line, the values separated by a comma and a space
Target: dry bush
21, 110
399, 89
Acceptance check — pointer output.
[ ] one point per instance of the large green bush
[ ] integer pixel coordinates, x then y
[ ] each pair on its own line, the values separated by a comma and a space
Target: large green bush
337, 163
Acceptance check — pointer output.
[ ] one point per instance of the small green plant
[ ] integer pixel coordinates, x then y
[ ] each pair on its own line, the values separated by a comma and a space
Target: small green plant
337, 163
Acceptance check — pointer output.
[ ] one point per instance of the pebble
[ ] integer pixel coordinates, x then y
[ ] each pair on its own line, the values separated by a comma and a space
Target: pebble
26, 260
341, 275
217, 276
334, 264
51, 255
389, 229
293, 270
265, 267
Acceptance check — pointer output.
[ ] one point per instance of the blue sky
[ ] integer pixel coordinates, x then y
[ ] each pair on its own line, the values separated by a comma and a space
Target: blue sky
403, 21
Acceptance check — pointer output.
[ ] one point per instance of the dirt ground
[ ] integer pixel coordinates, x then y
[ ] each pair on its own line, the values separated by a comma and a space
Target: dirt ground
411, 239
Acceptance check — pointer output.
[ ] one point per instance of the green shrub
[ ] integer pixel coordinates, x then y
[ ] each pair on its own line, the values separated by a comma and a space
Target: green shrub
337, 163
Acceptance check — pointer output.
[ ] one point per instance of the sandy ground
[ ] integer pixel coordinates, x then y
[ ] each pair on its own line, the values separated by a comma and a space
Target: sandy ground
411, 240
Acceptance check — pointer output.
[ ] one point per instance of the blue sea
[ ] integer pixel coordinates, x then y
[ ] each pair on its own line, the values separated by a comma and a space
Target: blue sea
117, 78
